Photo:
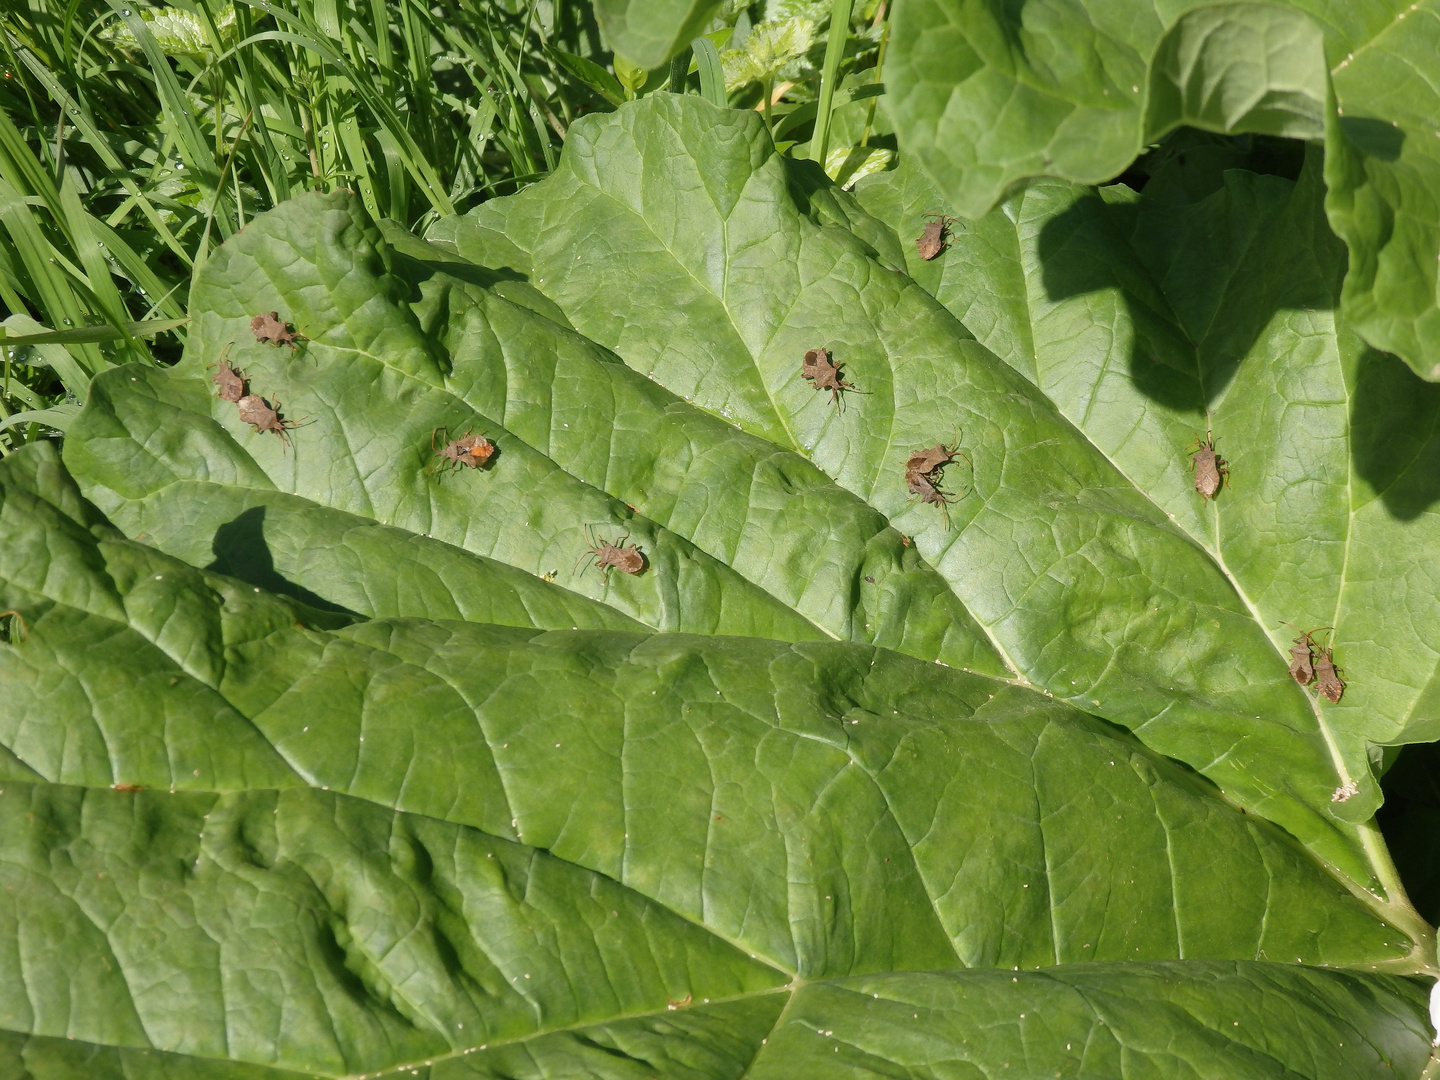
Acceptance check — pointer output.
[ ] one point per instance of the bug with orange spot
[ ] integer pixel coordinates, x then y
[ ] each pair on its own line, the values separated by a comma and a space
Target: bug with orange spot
470, 450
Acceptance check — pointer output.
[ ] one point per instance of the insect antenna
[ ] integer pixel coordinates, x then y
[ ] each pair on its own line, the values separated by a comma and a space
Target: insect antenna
589, 539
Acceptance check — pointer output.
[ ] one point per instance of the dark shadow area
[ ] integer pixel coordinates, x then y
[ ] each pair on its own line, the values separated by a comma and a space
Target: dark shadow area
1086, 249
1410, 822
418, 270
1394, 416
241, 552
1375, 138
1269, 155
1222, 234
1205, 256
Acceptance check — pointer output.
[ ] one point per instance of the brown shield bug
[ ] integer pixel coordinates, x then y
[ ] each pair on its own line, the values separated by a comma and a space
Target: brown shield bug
20, 622
923, 471
470, 450
259, 415
931, 242
818, 368
1327, 678
926, 488
605, 555
925, 462
270, 327
229, 383
1210, 469
1302, 667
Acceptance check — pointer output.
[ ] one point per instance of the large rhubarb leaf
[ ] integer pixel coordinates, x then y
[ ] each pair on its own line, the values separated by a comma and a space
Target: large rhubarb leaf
986, 95
246, 839
673, 234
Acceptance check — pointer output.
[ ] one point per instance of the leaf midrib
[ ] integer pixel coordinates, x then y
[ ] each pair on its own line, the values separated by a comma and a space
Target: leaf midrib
1382, 32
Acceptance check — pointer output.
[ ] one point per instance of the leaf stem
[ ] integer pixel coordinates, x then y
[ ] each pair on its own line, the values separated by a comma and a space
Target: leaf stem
1397, 908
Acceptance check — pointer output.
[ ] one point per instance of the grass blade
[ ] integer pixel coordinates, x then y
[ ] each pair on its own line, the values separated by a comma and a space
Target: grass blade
834, 53
712, 73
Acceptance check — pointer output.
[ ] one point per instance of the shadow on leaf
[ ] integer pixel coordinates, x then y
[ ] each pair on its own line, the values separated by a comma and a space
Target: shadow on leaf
1204, 257
1395, 433
241, 552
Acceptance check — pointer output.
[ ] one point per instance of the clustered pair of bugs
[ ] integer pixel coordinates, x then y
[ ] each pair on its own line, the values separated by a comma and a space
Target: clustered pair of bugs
232, 385
1310, 663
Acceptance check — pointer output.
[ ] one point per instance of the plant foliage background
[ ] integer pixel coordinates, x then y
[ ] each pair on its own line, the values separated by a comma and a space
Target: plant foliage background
319, 759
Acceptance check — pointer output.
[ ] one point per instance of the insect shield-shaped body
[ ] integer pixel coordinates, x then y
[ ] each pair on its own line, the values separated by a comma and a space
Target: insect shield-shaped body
229, 383
255, 412
270, 327
1327, 679
931, 242
1302, 654
1210, 468
923, 473
930, 462
470, 450
1302, 667
605, 555
926, 489
818, 368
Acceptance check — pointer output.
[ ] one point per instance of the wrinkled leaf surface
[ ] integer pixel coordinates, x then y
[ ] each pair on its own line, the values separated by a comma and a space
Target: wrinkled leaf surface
243, 845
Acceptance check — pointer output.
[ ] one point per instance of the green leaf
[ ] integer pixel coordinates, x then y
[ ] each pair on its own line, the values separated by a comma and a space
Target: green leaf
673, 234
592, 75
986, 98
1329, 520
1208, 302
712, 73
250, 843
649, 32
1239, 67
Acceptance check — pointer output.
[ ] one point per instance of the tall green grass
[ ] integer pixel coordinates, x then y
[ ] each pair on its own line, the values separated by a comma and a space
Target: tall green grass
134, 139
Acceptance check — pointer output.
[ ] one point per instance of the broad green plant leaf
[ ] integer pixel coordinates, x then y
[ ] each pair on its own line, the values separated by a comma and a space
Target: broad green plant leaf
1208, 303
986, 96
674, 235
649, 32
244, 839
743, 536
